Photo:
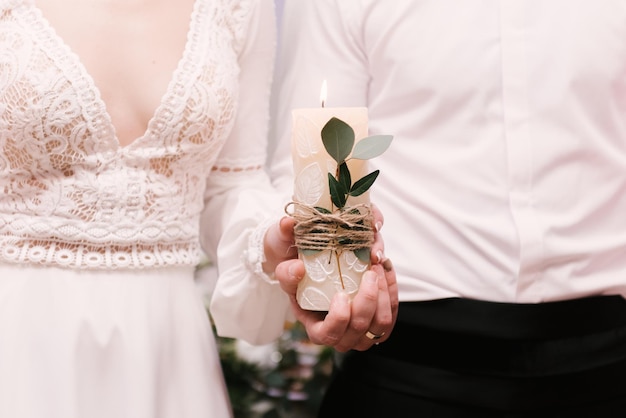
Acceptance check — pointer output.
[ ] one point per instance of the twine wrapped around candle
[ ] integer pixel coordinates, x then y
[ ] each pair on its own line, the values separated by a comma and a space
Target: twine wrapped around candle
346, 230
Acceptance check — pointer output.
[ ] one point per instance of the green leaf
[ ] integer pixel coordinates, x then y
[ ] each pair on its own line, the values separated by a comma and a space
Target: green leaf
363, 254
338, 139
344, 241
337, 193
310, 252
355, 211
364, 184
371, 146
322, 210
344, 177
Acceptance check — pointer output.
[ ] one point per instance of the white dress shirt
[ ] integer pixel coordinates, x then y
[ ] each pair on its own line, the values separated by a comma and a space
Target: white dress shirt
506, 178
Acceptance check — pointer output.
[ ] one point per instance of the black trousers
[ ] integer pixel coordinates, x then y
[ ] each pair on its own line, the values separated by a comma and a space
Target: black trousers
467, 358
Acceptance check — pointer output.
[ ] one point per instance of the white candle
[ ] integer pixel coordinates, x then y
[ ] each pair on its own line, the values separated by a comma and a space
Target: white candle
311, 165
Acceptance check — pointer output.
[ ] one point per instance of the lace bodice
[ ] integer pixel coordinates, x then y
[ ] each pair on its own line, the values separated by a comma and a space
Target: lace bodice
71, 195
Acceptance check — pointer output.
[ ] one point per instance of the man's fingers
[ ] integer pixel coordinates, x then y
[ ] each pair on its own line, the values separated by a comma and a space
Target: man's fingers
331, 331
363, 308
379, 219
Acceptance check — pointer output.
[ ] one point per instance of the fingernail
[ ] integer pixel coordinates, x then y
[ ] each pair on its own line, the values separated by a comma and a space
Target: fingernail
341, 298
378, 226
371, 276
292, 274
387, 265
380, 255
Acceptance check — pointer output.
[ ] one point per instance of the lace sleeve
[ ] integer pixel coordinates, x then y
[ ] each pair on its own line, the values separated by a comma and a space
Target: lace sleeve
240, 166
255, 42
240, 198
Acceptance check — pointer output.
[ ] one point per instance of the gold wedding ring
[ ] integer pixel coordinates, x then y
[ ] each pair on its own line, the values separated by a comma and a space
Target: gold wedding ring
372, 336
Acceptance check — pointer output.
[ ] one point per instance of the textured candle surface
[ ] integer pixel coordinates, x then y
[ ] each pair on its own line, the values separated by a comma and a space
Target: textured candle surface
311, 165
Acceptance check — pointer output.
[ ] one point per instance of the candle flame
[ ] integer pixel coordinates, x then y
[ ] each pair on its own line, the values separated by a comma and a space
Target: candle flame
323, 93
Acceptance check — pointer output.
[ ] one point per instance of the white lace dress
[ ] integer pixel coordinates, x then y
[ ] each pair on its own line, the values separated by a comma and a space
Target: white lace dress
99, 315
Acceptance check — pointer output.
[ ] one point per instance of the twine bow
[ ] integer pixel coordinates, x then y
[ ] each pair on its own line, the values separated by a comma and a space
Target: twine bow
346, 230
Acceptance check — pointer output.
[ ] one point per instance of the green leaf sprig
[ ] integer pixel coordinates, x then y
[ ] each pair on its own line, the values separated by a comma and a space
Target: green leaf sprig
338, 139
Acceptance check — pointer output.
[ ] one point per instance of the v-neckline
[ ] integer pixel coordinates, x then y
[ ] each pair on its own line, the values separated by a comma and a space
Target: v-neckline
97, 105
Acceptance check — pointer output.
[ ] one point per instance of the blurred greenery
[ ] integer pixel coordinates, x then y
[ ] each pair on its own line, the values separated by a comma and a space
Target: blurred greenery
291, 386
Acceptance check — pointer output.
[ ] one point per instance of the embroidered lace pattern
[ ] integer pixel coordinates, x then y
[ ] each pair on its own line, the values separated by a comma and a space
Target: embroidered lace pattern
71, 195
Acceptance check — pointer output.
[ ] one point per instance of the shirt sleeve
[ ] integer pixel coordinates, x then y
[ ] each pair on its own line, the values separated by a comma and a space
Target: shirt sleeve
245, 303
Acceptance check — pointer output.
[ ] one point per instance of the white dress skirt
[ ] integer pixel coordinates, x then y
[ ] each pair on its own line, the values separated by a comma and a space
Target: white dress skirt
106, 344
